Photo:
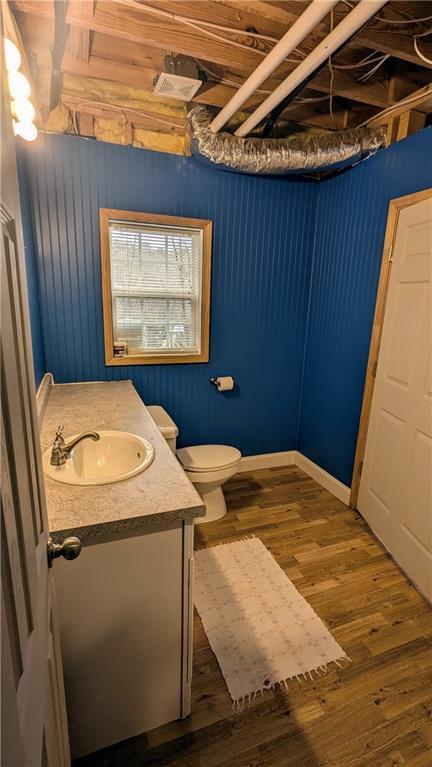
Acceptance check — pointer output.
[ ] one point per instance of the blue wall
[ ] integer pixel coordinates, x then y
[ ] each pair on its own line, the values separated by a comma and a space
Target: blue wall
262, 248
351, 220
295, 273
32, 278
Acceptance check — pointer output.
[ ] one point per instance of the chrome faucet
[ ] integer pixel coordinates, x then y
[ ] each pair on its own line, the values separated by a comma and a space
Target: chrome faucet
61, 451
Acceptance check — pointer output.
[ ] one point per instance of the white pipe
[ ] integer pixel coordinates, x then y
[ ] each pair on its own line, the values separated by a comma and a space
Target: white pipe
352, 22
313, 14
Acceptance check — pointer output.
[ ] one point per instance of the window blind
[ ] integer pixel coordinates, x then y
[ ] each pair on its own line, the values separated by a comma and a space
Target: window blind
156, 278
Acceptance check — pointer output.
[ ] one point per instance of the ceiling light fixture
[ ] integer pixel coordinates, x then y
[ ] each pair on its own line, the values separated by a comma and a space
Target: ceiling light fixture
19, 86
26, 130
23, 111
12, 55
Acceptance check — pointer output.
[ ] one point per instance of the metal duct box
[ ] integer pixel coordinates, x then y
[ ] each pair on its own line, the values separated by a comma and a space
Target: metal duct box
180, 80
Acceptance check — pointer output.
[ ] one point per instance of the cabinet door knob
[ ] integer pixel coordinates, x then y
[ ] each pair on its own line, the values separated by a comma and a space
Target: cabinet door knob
70, 548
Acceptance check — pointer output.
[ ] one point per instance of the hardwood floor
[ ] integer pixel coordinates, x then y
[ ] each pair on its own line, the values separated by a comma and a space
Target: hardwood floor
375, 713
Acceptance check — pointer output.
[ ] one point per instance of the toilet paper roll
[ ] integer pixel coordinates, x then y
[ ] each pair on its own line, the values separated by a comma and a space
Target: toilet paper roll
225, 383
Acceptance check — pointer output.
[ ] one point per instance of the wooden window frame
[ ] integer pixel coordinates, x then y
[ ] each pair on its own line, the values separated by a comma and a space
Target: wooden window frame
395, 206
109, 214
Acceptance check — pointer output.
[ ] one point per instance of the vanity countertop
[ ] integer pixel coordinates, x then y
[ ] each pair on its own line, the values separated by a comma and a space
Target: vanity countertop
160, 494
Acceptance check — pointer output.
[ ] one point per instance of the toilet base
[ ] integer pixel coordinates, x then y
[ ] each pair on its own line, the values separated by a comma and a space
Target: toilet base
215, 504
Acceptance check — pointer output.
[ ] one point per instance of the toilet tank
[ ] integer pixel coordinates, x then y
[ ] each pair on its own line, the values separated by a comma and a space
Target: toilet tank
165, 424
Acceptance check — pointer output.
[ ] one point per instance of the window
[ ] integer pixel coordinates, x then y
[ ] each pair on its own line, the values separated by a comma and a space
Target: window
156, 288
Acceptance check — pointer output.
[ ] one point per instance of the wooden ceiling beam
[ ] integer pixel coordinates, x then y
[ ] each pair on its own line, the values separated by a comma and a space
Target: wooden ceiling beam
299, 115
77, 91
105, 47
397, 45
213, 94
217, 94
111, 18
420, 100
86, 124
81, 105
111, 42
393, 42
60, 36
137, 27
107, 69
223, 14
262, 10
308, 116
42, 8
80, 39
374, 94
78, 44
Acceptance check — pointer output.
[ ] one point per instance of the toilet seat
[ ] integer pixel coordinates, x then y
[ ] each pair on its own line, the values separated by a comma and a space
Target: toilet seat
208, 458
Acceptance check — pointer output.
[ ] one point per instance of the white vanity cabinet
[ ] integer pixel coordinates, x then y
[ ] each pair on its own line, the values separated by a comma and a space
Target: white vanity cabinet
125, 604
125, 608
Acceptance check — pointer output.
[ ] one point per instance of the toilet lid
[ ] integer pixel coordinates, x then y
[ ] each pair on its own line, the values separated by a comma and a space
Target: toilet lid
208, 457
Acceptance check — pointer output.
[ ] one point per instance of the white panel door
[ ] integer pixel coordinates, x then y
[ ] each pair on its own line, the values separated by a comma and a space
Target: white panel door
396, 486
33, 715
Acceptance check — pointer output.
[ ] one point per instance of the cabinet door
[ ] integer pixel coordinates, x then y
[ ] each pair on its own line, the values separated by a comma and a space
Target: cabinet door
121, 631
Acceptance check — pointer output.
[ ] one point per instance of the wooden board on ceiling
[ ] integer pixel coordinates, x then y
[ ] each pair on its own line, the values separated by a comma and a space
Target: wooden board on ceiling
115, 49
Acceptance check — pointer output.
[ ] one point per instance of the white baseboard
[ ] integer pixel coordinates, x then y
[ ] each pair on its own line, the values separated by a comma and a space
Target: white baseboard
267, 461
325, 479
294, 458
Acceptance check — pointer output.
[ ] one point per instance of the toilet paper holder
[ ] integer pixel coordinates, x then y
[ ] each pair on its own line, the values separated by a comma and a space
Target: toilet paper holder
215, 380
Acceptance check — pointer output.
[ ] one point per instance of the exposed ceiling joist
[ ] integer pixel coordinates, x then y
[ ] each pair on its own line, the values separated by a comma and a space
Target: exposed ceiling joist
420, 100
121, 21
84, 106
397, 45
60, 36
117, 47
217, 94
78, 44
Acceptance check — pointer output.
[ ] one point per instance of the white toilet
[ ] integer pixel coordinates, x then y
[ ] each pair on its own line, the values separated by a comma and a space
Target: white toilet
207, 466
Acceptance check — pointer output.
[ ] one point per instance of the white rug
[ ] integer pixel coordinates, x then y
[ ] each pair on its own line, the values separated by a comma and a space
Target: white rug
262, 631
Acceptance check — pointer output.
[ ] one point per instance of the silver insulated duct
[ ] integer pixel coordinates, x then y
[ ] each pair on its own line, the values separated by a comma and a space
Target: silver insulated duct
301, 153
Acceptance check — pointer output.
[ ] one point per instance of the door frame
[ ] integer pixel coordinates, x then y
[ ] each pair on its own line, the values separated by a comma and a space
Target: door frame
395, 206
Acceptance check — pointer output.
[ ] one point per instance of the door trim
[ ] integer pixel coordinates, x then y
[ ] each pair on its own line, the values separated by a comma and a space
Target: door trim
395, 206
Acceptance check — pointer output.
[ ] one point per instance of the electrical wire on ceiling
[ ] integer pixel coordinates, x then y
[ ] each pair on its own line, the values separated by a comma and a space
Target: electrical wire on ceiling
205, 27
403, 21
408, 20
416, 48
365, 62
298, 101
374, 69
226, 80
385, 112
200, 26
75, 105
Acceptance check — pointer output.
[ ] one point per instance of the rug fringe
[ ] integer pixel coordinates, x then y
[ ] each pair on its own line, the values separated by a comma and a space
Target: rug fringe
216, 545
247, 700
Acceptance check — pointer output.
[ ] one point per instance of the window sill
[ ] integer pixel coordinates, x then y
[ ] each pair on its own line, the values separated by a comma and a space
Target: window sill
157, 359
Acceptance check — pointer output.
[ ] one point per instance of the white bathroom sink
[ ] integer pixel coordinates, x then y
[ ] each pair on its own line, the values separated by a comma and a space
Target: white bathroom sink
116, 456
